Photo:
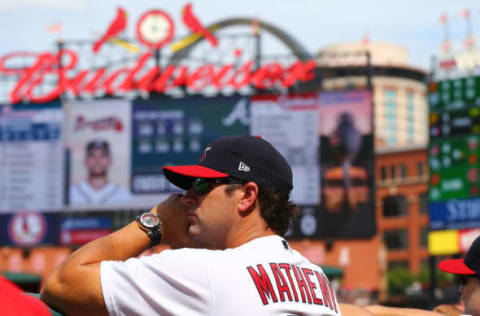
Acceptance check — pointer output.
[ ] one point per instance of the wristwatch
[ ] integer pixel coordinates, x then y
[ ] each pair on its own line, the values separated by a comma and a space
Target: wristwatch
152, 225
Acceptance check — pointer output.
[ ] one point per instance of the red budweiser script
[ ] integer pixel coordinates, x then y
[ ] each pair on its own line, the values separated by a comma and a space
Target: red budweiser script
138, 77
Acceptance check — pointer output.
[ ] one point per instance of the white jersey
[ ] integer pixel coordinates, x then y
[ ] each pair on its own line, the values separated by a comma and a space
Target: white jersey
82, 193
262, 277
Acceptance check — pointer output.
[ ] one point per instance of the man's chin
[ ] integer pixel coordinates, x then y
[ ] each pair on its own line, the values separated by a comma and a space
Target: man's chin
193, 230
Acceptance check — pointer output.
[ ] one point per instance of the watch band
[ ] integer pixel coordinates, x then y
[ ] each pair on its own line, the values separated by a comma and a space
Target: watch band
155, 236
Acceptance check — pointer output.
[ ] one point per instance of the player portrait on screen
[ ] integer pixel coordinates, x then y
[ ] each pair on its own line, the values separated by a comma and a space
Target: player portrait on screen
97, 188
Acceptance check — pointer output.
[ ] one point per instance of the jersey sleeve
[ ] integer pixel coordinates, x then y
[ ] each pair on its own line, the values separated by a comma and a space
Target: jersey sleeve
172, 282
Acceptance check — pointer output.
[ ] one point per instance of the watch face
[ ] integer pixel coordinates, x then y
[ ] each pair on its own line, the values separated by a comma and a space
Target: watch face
149, 220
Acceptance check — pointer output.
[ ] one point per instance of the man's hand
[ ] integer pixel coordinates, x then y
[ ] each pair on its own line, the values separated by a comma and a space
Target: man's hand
173, 213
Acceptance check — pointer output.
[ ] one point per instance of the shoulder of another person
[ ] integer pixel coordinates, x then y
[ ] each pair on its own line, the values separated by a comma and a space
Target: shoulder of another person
118, 189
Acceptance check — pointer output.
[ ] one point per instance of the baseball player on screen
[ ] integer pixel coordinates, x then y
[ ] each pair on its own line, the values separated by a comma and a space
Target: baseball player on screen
97, 189
234, 212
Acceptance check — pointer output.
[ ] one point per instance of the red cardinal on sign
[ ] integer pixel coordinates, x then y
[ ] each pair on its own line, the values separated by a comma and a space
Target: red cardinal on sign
194, 25
118, 24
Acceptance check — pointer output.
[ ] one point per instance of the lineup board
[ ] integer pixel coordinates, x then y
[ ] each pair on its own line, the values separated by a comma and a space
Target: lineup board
31, 158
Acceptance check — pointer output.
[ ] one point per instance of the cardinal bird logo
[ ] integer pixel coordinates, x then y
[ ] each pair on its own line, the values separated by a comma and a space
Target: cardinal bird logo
118, 24
194, 25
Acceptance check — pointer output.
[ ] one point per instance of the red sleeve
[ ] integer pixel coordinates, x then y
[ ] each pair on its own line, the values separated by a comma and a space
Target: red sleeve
14, 302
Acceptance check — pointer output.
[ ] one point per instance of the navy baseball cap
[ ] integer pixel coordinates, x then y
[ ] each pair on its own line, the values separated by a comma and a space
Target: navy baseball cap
467, 266
98, 144
249, 158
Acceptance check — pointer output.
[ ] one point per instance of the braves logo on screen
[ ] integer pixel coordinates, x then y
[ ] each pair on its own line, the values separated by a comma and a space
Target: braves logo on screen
108, 123
204, 154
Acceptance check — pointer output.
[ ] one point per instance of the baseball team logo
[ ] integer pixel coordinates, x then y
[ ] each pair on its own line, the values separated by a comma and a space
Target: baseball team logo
27, 228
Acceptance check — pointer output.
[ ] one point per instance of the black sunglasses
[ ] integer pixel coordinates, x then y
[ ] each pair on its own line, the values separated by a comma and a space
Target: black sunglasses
202, 186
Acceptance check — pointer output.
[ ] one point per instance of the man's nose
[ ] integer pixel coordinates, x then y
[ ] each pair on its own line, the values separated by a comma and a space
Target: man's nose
189, 198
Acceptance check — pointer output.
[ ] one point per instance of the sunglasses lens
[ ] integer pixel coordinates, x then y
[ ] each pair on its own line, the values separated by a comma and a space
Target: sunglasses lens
463, 280
201, 187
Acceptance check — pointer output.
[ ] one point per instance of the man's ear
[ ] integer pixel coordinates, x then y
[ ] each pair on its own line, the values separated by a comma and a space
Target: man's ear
250, 194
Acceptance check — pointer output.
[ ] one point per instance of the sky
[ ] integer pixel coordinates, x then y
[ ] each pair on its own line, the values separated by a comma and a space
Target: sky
414, 24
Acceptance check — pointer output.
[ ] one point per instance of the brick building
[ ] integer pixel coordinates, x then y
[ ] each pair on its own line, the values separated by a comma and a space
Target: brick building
401, 205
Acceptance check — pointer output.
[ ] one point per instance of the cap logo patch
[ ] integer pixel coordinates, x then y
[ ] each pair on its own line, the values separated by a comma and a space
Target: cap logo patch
204, 155
243, 167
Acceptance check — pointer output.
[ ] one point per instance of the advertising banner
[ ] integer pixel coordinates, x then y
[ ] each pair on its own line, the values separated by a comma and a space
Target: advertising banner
28, 229
98, 144
168, 131
80, 230
290, 123
455, 214
347, 209
328, 140
31, 157
117, 148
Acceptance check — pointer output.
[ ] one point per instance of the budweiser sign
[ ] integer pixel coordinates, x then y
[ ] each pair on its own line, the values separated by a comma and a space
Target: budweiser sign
139, 77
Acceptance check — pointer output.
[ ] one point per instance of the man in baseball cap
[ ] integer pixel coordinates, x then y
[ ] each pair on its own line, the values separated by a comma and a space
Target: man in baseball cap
468, 269
236, 202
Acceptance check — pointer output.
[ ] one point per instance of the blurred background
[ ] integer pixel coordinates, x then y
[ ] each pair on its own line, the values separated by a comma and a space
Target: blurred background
375, 104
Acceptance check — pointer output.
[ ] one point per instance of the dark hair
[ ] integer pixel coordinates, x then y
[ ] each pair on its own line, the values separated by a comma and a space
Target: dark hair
98, 144
275, 208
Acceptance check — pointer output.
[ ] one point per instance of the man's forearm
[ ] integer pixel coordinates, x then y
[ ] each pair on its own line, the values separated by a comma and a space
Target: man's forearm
129, 241
75, 285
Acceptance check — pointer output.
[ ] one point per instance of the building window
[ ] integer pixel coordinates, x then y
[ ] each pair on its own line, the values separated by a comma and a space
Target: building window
397, 264
393, 174
420, 169
395, 239
424, 237
410, 97
390, 94
392, 140
390, 116
394, 205
383, 173
390, 105
390, 129
423, 200
350, 86
403, 171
